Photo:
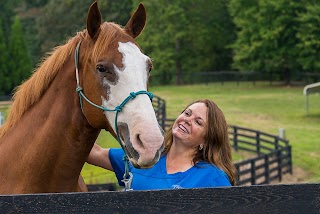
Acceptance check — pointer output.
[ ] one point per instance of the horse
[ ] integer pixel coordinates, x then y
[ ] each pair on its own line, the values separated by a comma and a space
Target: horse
97, 80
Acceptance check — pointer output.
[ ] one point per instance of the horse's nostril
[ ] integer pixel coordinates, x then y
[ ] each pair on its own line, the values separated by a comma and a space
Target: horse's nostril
139, 141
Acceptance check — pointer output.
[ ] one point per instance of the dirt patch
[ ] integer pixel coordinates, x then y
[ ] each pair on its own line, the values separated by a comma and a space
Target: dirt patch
5, 103
298, 175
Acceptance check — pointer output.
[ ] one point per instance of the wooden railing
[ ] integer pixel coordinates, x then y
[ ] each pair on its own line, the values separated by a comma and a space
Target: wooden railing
265, 199
273, 156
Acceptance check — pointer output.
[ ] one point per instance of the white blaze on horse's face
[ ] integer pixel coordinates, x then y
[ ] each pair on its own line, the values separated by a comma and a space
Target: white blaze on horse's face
137, 124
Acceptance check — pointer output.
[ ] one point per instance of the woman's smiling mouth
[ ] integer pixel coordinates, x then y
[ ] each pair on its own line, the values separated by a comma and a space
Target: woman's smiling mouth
183, 128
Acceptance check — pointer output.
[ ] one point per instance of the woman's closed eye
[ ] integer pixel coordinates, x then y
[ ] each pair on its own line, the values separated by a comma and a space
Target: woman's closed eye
199, 122
187, 112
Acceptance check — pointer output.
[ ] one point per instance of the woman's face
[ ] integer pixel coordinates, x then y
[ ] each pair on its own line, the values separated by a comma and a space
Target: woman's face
190, 127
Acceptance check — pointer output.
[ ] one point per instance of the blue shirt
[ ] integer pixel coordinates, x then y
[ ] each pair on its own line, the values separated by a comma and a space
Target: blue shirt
201, 175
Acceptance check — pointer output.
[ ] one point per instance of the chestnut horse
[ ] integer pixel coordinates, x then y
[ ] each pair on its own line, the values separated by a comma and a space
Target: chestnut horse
58, 113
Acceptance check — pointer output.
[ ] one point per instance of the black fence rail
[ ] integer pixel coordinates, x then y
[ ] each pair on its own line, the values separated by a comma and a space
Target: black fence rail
273, 158
298, 198
272, 154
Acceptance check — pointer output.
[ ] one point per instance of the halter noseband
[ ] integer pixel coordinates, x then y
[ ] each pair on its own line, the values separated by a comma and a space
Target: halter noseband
127, 177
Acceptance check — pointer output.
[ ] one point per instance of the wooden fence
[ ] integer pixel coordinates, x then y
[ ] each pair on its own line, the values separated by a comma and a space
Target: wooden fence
299, 198
273, 156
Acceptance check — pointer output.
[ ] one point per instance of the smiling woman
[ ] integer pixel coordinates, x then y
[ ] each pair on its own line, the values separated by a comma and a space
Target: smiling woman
197, 153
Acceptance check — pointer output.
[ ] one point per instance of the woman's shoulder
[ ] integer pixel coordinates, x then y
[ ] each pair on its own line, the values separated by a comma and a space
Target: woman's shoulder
210, 169
217, 176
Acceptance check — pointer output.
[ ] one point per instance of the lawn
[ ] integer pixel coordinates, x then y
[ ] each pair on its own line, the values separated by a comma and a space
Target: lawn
260, 107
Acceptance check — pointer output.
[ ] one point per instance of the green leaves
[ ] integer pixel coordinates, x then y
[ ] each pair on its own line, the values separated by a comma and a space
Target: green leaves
184, 36
3, 61
187, 36
19, 66
15, 63
308, 35
276, 36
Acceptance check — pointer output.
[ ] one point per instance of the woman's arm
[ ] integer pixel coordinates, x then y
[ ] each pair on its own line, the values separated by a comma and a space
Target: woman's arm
100, 157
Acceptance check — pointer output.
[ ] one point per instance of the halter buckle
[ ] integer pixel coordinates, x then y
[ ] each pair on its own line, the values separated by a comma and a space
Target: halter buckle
127, 182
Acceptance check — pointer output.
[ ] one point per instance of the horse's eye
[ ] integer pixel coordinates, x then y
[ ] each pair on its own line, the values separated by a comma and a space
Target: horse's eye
101, 68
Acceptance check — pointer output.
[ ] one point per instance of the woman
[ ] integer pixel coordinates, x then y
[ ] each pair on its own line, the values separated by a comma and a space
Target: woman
197, 153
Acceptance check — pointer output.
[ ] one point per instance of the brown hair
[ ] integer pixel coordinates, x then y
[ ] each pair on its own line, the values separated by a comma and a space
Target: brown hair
216, 149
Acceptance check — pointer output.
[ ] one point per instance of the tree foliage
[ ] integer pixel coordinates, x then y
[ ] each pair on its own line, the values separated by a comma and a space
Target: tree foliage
309, 37
6, 15
187, 36
19, 66
3, 63
276, 36
61, 19
183, 36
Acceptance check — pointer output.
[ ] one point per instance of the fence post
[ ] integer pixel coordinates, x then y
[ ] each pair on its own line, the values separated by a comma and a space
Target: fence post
238, 174
164, 117
238, 78
253, 172
267, 174
290, 158
1, 119
282, 133
258, 142
235, 138
276, 144
279, 164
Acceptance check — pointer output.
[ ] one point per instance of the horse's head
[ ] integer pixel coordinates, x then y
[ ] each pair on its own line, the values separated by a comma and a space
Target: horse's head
111, 66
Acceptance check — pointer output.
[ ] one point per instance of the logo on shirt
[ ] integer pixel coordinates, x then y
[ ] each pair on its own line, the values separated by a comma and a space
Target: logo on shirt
176, 186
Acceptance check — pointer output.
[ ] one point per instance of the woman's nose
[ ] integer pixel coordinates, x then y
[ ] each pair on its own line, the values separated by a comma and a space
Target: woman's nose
186, 120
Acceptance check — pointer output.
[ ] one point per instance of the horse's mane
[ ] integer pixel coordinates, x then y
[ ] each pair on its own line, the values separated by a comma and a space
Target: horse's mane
31, 91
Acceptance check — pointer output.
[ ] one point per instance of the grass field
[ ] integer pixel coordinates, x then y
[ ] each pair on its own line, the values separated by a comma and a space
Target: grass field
260, 106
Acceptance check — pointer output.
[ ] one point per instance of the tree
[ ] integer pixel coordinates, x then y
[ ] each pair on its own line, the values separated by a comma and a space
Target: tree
308, 35
3, 63
187, 36
35, 3
20, 66
61, 19
6, 15
266, 36
116, 11
28, 11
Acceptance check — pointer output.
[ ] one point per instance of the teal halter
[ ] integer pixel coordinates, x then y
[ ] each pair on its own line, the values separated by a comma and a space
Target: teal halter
127, 177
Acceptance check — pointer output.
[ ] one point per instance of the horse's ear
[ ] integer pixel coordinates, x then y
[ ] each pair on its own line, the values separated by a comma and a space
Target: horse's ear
137, 22
93, 20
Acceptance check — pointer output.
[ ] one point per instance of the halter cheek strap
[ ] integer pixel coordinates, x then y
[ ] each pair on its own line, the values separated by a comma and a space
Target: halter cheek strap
127, 177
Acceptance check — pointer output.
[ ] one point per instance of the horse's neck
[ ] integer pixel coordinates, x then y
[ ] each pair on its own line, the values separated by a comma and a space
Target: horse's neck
53, 139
